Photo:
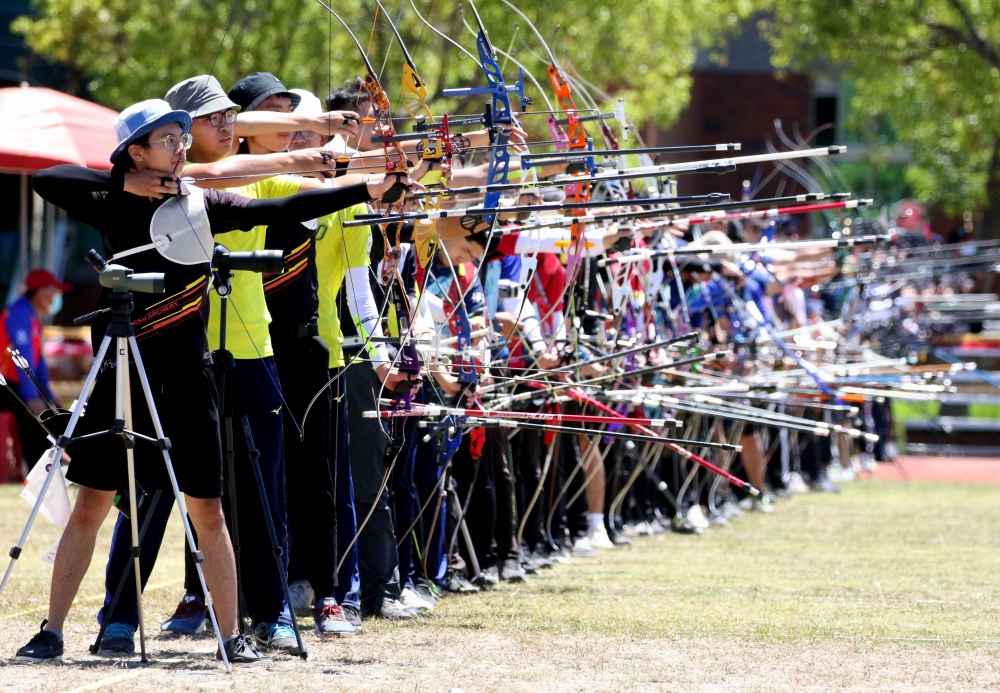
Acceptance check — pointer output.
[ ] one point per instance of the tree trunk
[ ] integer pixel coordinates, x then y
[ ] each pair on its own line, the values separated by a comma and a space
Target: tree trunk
991, 214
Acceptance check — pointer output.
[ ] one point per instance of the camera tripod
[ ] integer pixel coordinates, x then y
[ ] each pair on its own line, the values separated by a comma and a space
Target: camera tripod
231, 407
120, 330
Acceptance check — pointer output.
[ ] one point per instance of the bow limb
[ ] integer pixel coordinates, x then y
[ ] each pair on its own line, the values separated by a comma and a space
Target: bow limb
414, 90
447, 38
514, 60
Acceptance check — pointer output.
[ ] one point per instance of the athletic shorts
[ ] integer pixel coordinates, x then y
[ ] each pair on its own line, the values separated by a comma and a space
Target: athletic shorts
187, 402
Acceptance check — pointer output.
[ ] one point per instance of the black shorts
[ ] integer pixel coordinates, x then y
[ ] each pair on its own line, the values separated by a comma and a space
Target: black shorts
187, 402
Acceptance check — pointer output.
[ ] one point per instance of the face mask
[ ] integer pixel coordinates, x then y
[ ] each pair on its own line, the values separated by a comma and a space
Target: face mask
56, 304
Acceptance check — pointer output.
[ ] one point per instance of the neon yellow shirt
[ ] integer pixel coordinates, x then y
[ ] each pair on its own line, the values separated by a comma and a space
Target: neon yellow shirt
247, 336
337, 250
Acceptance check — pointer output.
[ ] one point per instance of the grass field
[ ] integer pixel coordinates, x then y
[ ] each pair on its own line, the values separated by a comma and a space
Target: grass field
889, 586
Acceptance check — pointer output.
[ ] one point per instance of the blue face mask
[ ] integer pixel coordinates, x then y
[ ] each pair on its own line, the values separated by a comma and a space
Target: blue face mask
56, 304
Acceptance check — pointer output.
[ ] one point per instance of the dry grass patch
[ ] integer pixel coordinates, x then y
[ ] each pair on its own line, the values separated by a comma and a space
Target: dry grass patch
888, 587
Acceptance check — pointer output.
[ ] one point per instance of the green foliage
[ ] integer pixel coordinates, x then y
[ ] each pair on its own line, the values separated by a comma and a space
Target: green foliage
128, 50
927, 67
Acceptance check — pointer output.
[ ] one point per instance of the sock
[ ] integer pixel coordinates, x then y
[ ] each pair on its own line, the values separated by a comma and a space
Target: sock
594, 522
226, 641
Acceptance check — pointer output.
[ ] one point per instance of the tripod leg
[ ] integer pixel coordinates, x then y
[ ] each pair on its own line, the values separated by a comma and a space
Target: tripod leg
123, 418
88, 388
124, 578
181, 505
275, 548
473, 559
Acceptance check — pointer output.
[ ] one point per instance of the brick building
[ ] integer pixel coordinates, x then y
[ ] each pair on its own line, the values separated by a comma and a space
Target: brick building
737, 100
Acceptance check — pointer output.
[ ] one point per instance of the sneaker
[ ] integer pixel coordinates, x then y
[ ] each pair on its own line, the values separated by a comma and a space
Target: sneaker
302, 595
188, 618
730, 510
746, 505
561, 555
119, 638
619, 539
455, 583
824, 485
796, 484
240, 649
512, 571
541, 560
352, 615
717, 519
762, 505
429, 592
582, 548
489, 578
600, 539
696, 516
44, 646
330, 621
394, 610
410, 599
681, 525
278, 637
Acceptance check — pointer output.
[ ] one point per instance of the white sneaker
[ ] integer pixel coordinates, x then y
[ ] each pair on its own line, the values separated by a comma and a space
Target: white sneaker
600, 539
746, 504
762, 505
796, 484
302, 595
730, 510
582, 548
412, 600
696, 516
838, 474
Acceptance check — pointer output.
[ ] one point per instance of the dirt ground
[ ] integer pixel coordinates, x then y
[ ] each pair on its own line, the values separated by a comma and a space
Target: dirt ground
888, 586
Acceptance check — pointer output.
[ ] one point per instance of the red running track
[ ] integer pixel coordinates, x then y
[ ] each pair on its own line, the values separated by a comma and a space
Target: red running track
983, 470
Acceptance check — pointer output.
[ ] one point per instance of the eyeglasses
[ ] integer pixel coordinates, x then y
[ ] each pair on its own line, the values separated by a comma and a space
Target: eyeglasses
305, 134
173, 143
216, 118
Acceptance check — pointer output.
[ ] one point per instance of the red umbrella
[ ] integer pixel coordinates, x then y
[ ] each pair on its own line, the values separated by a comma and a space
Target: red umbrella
41, 127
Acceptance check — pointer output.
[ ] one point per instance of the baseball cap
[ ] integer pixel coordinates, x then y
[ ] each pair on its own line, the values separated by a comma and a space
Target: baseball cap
42, 278
200, 96
250, 91
142, 118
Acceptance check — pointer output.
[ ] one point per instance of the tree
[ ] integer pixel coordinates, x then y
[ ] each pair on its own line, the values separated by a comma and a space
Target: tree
129, 50
930, 68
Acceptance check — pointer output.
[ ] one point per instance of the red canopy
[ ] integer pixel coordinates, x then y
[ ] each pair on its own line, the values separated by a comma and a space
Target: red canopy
41, 127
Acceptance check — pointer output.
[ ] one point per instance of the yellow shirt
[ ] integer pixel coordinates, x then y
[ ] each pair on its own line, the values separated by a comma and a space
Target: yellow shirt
247, 336
337, 250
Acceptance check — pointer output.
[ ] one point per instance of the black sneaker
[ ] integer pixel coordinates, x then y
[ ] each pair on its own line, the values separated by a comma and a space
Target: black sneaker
45, 646
541, 559
393, 610
425, 590
119, 638
241, 650
456, 583
512, 571
352, 615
